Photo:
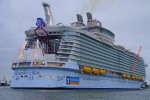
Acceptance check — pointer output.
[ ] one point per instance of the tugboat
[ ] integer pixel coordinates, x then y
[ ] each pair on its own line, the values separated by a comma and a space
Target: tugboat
3, 82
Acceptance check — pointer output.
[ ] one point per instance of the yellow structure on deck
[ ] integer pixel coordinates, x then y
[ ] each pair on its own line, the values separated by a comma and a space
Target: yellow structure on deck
141, 79
86, 69
102, 71
128, 76
137, 78
38, 63
92, 70
124, 76
95, 70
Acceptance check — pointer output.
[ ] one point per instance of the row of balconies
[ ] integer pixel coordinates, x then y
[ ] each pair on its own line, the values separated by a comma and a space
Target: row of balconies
128, 68
124, 51
121, 63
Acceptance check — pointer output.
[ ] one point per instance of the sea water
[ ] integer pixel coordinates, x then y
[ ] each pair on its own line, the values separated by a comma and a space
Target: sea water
6, 93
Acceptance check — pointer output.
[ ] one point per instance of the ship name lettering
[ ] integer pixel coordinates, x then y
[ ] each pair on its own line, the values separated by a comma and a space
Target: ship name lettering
27, 73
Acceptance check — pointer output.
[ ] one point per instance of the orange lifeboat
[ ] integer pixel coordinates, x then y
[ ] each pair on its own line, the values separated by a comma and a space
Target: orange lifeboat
128, 76
102, 71
95, 71
141, 79
124, 76
86, 69
133, 77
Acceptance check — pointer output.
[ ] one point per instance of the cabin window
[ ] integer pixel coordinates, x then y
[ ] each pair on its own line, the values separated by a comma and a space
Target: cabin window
24, 64
54, 32
50, 32
38, 63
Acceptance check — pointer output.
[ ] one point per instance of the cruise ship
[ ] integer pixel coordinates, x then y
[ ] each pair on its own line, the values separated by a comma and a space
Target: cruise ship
79, 56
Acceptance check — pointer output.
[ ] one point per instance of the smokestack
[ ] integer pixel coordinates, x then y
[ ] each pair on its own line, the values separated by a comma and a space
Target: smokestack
89, 16
79, 18
48, 14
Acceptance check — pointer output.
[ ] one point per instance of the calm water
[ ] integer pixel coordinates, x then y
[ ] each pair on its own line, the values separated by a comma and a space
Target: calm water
7, 93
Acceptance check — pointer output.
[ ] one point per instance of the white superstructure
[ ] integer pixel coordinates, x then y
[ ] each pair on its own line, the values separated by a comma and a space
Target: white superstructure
76, 56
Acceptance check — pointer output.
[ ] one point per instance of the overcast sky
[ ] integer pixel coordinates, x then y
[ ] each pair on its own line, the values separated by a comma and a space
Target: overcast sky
128, 19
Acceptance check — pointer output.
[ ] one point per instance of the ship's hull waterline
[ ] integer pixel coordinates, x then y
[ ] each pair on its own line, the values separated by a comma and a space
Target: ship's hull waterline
64, 78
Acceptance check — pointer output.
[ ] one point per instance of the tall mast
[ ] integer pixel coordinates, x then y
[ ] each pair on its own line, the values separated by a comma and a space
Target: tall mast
48, 15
